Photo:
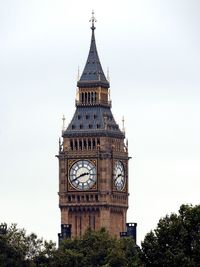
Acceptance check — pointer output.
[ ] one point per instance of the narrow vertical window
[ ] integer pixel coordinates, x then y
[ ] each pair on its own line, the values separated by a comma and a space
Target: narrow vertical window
76, 145
71, 144
85, 144
80, 145
89, 144
92, 97
94, 143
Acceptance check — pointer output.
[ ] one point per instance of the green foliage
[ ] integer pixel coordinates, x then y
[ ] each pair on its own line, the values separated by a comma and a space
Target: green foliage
17, 249
175, 241
97, 249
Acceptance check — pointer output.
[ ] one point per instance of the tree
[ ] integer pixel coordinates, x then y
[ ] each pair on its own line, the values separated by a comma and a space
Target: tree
19, 249
175, 241
96, 249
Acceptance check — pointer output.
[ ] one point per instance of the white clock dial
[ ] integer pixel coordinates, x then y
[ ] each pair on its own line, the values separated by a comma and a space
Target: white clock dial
119, 176
82, 175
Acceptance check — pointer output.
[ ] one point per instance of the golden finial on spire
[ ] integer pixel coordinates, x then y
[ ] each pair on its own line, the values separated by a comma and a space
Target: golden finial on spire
63, 124
93, 20
108, 75
78, 74
123, 124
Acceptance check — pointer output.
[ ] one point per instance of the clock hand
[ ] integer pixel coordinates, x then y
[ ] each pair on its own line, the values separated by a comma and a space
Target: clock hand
83, 174
119, 176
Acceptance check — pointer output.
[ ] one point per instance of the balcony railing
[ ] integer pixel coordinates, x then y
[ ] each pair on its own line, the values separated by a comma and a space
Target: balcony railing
94, 103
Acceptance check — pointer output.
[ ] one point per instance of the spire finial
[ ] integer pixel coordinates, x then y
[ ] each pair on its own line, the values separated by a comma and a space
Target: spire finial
63, 124
93, 20
108, 75
123, 124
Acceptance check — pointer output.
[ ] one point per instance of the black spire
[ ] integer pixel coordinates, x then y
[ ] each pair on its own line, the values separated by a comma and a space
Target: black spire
93, 74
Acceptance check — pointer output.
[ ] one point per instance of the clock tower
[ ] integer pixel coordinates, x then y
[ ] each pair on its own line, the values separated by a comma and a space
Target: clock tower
93, 158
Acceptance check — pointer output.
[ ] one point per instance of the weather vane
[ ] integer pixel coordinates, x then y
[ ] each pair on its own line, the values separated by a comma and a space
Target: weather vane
93, 20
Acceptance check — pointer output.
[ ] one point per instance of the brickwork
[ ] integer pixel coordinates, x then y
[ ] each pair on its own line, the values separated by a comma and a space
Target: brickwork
102, 207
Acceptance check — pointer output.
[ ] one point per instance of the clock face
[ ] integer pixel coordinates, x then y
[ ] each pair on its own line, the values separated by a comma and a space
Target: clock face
119, 176
82, 175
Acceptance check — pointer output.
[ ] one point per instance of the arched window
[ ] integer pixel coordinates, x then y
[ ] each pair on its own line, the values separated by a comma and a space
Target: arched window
71, 144
92, 97
89, 144
98, 141
84, 144
80, 145
76, 144
94, 143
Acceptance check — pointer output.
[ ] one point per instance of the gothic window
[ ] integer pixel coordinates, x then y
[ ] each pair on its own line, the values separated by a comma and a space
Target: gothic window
87, 116
71, 144
94, 143
89, 144
80, 144
90, 126
98, 141
84, 144
73, 127
81, 126
76, 145
98, 126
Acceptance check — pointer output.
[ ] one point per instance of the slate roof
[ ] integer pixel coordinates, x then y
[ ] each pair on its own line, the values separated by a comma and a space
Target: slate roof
93, 121
93, 74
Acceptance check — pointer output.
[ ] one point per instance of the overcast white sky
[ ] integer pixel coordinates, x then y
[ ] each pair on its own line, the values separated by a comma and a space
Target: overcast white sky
152, 48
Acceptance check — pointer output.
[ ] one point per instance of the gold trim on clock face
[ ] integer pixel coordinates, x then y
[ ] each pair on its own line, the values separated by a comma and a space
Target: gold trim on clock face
119, 176
83, 175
